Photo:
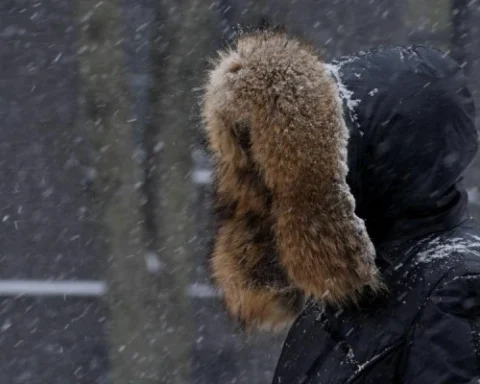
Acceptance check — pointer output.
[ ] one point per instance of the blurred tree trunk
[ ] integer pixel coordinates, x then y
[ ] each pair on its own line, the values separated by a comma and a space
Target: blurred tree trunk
465, 42
461, 32
106, 116
184, 36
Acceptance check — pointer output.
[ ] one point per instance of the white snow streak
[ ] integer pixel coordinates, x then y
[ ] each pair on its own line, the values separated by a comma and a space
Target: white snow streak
203, 291
153, 263
440, 249
83, 288
474, 195
202, 176
52, 288
345, 94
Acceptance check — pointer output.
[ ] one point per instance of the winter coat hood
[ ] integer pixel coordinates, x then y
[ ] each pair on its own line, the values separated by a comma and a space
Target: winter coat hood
286, 227
412, 125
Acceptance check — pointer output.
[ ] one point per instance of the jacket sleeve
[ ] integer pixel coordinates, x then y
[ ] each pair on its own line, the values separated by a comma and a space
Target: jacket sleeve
444, 345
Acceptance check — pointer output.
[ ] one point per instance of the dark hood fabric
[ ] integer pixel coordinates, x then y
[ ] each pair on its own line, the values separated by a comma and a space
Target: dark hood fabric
412, 136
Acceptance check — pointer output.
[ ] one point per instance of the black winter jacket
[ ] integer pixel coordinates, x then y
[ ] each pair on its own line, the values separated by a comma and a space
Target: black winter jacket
412, 136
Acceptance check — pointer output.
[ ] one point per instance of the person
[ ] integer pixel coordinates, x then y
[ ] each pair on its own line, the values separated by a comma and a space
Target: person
412, 135
341, 209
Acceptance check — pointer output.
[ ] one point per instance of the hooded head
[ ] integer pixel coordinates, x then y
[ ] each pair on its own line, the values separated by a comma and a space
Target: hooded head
290, 227
412, 135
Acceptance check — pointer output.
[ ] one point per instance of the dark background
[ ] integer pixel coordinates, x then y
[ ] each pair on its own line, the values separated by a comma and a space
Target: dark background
101, 176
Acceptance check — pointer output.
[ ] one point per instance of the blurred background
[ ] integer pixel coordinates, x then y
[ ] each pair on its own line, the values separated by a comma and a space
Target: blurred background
104, 184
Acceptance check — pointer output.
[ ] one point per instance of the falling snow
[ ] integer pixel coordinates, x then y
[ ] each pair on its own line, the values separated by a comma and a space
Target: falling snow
105, 183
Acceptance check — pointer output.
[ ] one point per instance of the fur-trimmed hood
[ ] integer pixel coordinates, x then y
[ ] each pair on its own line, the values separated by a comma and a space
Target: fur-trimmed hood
286, 227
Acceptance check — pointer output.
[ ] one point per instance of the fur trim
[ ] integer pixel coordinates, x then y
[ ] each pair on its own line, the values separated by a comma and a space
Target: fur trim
274, 123
244, 261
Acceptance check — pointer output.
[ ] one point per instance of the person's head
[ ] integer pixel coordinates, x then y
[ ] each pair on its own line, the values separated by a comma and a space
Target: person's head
412, 135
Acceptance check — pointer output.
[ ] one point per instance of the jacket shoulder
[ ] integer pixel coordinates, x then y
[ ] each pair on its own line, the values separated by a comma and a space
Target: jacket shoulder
444, 343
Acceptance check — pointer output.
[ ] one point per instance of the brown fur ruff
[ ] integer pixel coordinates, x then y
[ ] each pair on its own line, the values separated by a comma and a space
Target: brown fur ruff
285, 215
